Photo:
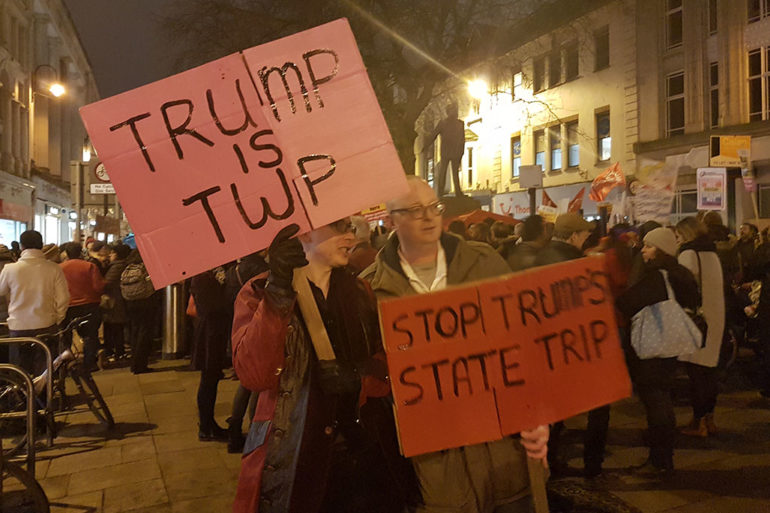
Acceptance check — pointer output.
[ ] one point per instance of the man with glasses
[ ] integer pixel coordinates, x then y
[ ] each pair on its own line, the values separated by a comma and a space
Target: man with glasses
306, 451
420, 258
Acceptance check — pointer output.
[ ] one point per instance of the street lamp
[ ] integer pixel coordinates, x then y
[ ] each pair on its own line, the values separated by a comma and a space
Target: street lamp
54, 87
478, 88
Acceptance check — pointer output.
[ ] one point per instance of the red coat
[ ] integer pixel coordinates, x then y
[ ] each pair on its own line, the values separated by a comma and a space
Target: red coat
272, 355
84, 280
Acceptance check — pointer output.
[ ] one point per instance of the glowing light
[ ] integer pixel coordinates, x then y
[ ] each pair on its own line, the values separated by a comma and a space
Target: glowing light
478, 88
57, 89
86, 154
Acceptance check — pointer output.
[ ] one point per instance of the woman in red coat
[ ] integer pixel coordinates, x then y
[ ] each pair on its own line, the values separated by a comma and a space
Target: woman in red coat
323, 437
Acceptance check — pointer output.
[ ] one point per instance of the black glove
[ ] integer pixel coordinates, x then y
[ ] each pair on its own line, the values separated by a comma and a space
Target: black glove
338, 378
284, 255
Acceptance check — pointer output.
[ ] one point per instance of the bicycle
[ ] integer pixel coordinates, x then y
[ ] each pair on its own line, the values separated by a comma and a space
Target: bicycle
19, 490
69, 363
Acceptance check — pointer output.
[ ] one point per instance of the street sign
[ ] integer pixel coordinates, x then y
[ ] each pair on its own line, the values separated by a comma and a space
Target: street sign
101, 173
530, 176
729, 150
102, 188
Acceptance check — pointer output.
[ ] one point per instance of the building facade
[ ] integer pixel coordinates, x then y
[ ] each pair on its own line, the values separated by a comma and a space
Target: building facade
40, 134
633, 82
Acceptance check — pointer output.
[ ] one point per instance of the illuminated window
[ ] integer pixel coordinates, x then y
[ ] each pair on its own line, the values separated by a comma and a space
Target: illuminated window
515, 156
554, 138
573, 146
674, 24
675, 104
470, 166
516, 88
604, 141
540, 148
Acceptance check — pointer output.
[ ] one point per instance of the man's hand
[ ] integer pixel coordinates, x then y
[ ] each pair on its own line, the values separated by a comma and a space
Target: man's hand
284, 255
535, 441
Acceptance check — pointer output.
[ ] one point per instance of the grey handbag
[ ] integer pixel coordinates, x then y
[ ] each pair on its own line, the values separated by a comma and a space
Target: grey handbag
664, 330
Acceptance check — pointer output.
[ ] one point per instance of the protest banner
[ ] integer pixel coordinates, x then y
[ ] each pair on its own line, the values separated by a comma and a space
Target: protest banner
475, 363
211, 163
712, 188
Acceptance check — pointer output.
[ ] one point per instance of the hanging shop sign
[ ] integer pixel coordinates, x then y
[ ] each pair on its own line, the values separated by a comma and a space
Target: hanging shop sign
712, 188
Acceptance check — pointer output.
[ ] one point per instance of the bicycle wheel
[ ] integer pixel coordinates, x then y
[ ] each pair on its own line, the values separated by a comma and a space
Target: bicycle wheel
92, 396
13, 399
21, 493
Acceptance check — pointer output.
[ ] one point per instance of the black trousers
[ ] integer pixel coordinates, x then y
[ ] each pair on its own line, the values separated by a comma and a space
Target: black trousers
207, 399
89, 331
594, 442
140, 315
704, 387
654, 383
114, 338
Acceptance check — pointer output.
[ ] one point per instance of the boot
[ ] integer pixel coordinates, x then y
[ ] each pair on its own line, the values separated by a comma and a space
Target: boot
235, 440
696, 428
212, 432
711, 427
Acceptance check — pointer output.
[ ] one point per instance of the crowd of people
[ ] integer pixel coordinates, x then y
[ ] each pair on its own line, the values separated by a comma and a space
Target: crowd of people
322, 434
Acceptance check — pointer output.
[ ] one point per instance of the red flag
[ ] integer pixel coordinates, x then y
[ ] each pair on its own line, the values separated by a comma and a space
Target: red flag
609, 179
577, 202
547, 201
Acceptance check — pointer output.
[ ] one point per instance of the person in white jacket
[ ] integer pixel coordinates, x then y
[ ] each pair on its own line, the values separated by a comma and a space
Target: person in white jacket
698, 254
38, 298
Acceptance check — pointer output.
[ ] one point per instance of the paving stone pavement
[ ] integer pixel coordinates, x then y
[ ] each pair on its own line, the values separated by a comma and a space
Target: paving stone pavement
152, 461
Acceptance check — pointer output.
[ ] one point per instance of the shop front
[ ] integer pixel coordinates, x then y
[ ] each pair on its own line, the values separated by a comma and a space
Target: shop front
15, 207
53, 212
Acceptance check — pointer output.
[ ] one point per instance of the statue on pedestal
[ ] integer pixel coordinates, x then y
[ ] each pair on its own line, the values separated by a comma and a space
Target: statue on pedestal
452, 131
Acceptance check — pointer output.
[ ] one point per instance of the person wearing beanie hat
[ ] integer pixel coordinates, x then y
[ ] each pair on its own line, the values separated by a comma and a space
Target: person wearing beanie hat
653, 378
663, 239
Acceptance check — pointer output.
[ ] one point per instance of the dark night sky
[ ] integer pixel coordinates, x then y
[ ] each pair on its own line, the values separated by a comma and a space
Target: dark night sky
124, 42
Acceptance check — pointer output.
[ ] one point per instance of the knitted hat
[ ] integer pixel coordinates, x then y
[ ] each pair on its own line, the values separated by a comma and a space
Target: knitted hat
662, 239
52, 252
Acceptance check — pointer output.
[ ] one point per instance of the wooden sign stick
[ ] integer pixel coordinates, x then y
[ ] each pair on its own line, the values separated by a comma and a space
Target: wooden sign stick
537, 485
313, 321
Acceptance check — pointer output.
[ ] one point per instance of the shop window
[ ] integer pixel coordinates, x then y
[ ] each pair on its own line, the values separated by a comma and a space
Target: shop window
714, 93
539, 137
602, 48
538, 74
573, 146
515, 157
675, 104
713, 17
554, 138
685, 204
674, 24
759, 84
604, 141
758, 9
571, 61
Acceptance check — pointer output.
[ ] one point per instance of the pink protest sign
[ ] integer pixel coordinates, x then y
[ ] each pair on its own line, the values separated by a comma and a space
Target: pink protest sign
211, 163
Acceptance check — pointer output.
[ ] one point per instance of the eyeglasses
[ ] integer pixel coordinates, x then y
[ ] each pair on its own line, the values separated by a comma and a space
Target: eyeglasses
419, 211
343, 226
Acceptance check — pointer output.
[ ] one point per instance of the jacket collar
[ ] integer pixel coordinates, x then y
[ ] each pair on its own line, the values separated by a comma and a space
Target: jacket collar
702, 243
32, 254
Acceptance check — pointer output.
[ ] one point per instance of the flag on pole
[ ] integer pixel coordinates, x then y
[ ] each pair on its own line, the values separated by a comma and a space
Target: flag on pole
547, 201
577, 202
609, 179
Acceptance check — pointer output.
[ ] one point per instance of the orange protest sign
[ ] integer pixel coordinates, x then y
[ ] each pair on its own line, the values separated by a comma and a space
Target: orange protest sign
479, 362
211, 163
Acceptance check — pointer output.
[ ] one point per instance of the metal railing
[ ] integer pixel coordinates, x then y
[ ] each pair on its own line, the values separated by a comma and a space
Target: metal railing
30, 413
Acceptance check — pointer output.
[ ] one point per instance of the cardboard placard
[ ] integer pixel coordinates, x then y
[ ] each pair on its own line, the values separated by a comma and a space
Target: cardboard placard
475, 363
211, 163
